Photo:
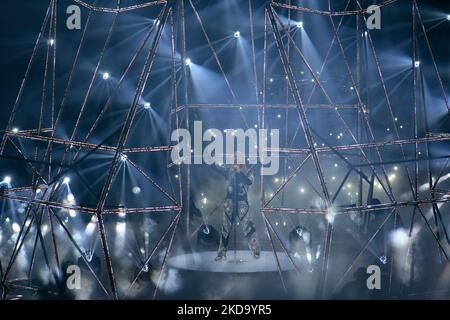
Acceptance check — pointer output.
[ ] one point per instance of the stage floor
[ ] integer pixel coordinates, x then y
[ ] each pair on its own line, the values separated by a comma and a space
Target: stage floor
242, 263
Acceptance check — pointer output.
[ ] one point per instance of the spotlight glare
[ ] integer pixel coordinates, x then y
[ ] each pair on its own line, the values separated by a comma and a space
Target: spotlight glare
188, 62
123, 157
70, 198
66, 180
51, 42
7, 180
147, 105
399, 238
120, 228
237, 34
72, 213
15, 227
448, 17
300, 24
417, 64
136, 190
106, 76
15, 130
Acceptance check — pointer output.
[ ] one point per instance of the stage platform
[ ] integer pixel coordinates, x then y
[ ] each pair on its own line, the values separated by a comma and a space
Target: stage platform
237, 262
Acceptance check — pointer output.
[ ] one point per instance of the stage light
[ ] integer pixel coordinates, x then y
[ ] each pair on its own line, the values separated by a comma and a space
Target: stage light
300, 24
366, 34
66, 180
122, 212
136, 190
156, 22
51, 42
72, 213
448, 17
188, 62
7, 179
120, 227
333, 178
271, 79
15, 227
147, 105
106, 76
123, 157
205, 200
70, 198
395, 168
279, 116
302, 190
383, 259
237, 34
417, 64
399, 238
15, 130
336, 165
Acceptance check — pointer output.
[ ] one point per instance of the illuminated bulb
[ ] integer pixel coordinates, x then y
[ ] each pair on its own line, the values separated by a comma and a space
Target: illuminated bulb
136, 190
147, 105
66, 180
237, 34
300, 24
15, 227
188, 62
72, 213
7, 180
302, 190
70, 198
448, 17
417, 64
15, 130
51, 42
123, 157
105, 76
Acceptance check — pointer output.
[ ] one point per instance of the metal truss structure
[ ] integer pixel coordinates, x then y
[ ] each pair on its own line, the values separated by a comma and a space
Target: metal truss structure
55, 155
